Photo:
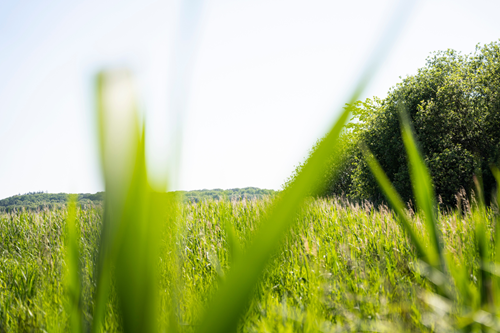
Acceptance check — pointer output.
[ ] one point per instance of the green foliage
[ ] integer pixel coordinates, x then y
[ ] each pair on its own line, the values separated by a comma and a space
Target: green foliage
471, 310
248, 193
40, 201
454, 105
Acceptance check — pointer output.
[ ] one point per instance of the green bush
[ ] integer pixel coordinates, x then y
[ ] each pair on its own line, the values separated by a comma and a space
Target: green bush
454, 105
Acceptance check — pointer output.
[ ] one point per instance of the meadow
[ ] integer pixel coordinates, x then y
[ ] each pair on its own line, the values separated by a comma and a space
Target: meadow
343, 267
145, 261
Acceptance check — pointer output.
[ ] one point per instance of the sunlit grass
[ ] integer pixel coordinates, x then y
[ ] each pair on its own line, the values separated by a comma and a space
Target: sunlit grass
342, 267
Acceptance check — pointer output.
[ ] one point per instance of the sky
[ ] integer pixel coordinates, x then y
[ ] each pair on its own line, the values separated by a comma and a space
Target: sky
265, 80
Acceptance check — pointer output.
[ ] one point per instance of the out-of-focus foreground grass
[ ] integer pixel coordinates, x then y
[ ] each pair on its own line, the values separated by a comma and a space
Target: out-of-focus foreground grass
343, 267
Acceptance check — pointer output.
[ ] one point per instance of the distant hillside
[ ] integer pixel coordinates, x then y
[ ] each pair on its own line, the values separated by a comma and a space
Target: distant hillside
231, 194
40, 200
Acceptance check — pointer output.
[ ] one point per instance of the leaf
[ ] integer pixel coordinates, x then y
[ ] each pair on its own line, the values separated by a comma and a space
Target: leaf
73, 283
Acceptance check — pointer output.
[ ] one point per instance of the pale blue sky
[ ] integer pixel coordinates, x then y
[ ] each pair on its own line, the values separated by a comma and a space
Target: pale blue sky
267, 80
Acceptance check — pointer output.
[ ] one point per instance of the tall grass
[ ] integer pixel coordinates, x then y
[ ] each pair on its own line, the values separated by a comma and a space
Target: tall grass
343, 267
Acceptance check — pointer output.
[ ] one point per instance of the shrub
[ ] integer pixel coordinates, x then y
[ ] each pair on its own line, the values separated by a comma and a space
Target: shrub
454, 105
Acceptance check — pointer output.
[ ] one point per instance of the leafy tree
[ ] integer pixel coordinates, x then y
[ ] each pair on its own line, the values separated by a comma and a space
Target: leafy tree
454, 105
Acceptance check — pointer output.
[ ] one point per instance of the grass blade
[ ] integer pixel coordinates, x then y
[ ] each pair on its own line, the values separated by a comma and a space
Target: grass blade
482, 243
397, 204
103, 276
135, 268
232, 298
234, 245
73, 275
496, 285
422, 187
133, 211
461, 278
118, 137
496, 174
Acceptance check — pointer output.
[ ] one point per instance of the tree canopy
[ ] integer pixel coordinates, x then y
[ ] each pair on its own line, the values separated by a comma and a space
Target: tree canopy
41, 200
454, 106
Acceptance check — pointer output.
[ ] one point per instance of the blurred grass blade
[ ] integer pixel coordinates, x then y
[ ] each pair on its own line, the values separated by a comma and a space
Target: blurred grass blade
482, 244
479, 195
73, 274
235, 249
422, 186
496, 277
232, 298
496, 174
135, 264
461, 278
234, 246
397, 204
118, 137
173, 273
103, 274
133, 212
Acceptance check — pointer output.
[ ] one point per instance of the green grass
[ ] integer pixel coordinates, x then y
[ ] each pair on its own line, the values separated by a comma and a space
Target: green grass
342, 267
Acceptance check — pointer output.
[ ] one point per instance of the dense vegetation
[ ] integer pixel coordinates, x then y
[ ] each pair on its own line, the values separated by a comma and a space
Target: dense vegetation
41, 200
334, 272
231, 194
454, 105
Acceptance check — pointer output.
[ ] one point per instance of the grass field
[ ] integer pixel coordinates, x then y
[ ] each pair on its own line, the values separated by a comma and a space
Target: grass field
143, 262
343, 267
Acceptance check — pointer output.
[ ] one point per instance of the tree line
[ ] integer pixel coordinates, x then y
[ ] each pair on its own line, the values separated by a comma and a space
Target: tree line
41, 200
